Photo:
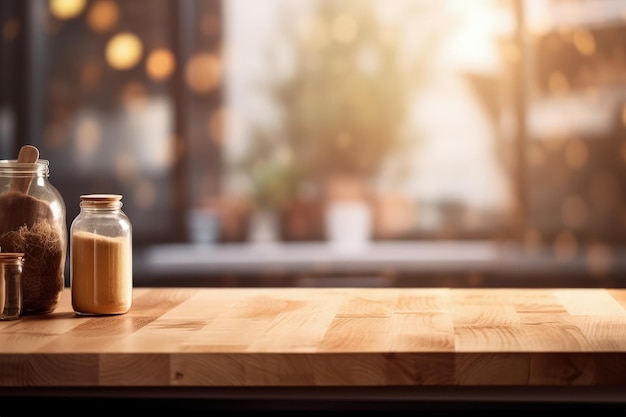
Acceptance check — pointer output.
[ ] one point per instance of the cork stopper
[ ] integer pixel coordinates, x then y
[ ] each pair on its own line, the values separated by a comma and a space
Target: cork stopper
11, 258
100, 200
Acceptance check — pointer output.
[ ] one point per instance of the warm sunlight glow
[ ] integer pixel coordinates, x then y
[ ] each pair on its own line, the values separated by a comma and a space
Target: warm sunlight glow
124, 51
66, 9
345, 28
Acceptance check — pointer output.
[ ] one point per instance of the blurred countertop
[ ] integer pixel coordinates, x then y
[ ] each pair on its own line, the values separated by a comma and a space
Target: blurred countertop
375, 264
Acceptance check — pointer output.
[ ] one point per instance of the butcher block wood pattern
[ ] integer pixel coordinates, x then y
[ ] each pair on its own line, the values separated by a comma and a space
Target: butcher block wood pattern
313, 337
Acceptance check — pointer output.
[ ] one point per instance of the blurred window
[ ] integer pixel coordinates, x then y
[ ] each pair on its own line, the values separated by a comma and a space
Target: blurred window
243, 120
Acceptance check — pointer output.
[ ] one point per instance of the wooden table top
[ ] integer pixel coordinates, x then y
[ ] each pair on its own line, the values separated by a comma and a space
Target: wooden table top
316, 337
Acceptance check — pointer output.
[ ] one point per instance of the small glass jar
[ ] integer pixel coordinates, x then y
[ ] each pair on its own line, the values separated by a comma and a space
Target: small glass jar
11, 265
101, 271
33, 222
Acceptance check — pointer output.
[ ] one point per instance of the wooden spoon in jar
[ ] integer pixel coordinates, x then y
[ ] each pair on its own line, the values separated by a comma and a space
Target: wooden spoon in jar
28, 154
17, 208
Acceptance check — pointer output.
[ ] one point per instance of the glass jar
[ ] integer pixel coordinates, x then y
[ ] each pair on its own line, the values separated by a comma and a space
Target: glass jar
32, 222
101, 272
11, 265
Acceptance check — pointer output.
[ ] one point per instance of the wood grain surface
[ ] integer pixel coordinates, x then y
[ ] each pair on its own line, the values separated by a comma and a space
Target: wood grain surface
295, 337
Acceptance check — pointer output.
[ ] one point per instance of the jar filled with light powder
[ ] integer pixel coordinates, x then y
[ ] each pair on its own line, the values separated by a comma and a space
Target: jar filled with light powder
101, 272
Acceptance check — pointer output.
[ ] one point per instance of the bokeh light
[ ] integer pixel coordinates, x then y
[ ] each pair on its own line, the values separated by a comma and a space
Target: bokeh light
103, 16
123, 51
558, 83
66, 9
203, 73
160, 64
584, 42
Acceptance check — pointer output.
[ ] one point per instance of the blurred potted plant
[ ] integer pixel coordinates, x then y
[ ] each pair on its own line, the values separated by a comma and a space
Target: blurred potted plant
271, 180
344, 102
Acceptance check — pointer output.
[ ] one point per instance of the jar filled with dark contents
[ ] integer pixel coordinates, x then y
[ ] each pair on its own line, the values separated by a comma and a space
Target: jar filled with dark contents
33, 222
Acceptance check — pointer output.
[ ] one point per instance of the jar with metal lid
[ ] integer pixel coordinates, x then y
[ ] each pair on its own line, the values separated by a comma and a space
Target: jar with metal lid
101, 273
32, 222
11, 265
